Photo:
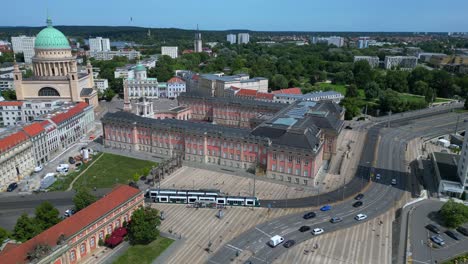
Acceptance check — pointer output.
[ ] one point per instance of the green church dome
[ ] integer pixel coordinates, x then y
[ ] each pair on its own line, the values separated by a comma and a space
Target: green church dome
140, 67
51, 38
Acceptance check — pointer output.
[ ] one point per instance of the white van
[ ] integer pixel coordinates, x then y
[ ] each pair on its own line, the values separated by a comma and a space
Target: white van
276, 240
63, 168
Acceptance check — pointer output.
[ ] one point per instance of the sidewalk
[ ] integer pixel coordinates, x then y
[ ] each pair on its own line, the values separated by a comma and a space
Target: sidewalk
178, 242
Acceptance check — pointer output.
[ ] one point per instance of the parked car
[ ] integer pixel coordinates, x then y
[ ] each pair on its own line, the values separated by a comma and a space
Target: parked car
452, 234
348, 127
69, 212
360, 217
394, 182
275, 240
63, 167
38, 168
289, 243
304, 228
357, 204
326, 208
462, 230
336, 219
433, 228
71, 160
359, 196
317, 231
12, 187
438, 240
309, 215
377, 177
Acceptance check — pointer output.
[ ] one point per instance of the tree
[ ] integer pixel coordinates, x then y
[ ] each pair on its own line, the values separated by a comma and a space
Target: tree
46, 215
4, 234
9, 94
143, 228
362, 73
465, 106
39, 251
442, 83
352, 91
397, 81
278, 82
372, 90
418, 74
83, 198
351, 106
25, 228
390, 100
454, 214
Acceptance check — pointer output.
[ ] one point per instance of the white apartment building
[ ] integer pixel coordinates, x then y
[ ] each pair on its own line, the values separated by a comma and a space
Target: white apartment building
363, 42
124, 72
216, 84
231, 38
462, 168
101, 84
109, 55
402, 62
38, 136
25, 45
99, 44
333, 40
172, 52
6, 84
243, 38
372, 60
142, 86
175, 86
13, 113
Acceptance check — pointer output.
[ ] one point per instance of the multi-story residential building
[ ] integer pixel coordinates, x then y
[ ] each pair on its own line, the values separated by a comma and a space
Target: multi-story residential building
333, 40
10, 113
51, 136
426, 56
290, 145
109, 55
25, 45
6, 84
243, 38
216, 84
401, 62
175, 86
372, 60
38, 136
462, 167
172, 52
101, 84
124, 72
99, 44
231, 38
190, 78
15, 112
363, 42
75, 239
16, 158
336, 97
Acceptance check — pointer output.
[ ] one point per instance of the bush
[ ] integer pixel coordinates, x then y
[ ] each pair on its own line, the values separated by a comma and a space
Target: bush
100, 242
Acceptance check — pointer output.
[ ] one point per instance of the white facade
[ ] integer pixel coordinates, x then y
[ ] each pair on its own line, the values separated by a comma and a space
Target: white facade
25, 45
363, 42
231, 38
172, 52
216, 84
13, 113
124, 72
109, 55
101, 84
402, 62
313, 97
372, 60
198, 45
333, 40
243, 38
175, 86
6, 84
17, 160
142, 86
99, 44
462, 168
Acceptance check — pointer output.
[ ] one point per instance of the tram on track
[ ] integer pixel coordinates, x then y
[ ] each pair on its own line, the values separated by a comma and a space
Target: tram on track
196, 196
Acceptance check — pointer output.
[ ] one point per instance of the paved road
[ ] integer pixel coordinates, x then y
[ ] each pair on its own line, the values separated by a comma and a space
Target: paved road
380, 197
423, 214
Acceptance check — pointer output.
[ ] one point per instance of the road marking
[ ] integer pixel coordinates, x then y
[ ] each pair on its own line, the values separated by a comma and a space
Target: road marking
233, 247
263, 232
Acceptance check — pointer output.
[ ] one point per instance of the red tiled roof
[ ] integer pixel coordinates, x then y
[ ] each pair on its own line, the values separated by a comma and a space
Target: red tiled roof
265, 96
34, 129
246, 92
195, 77
71, 225
288, 91
11, 103
175, 80
47, 125
70, 113
12, 140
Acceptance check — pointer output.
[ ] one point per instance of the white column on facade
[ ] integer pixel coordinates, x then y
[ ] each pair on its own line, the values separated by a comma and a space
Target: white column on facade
49, 70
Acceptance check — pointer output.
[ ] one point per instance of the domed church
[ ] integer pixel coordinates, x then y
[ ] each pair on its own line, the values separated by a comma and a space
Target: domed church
55, 75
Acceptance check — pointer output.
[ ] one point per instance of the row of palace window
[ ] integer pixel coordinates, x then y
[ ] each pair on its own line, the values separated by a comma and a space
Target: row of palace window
289, 170
288, 179
290, 159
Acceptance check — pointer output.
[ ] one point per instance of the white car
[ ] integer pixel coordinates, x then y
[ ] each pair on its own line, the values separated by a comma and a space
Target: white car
393, 181
63, 168
317, 231
38, 168
378, 176
360, 217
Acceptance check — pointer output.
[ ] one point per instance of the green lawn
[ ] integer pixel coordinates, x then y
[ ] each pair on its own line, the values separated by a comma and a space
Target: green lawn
442, 100
338, 88
412, 97
111, 169
144, 254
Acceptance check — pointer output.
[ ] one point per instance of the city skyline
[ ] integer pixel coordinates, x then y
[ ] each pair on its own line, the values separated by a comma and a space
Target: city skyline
259, 15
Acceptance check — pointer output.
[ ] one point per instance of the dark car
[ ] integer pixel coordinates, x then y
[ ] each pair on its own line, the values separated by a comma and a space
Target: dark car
289, 243
359, 196
463, 230
304, 228
348, 127
12, 187
71, 160
433, 228
309, 215
336, 219
452, 234
357, 204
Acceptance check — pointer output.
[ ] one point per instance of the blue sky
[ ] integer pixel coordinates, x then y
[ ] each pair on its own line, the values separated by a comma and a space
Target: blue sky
299, 15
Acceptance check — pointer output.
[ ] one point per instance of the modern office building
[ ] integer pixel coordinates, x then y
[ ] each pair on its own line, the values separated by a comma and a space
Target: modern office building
363, 42
372, 60
401, 62
101, 84
14, 113
55, 75
243, 38
25, 45
231, 38
99, 44
172, 52
216, 84
109, 55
